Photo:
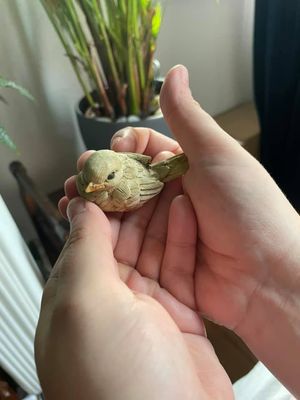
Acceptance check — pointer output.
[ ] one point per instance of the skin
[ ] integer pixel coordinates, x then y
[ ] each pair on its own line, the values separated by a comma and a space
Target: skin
228, 248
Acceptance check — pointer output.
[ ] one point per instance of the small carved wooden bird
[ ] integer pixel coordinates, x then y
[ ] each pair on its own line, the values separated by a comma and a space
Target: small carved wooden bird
125, 181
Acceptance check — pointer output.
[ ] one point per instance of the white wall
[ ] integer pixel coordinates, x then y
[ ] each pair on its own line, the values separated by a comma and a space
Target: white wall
213, 40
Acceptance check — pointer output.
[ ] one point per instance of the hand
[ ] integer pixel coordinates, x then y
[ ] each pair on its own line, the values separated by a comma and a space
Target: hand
246, 271
107, 329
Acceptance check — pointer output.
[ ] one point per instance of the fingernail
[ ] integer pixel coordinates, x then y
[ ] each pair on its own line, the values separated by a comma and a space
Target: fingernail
75, 207
181, 77
115, 141
123, 140
183, 74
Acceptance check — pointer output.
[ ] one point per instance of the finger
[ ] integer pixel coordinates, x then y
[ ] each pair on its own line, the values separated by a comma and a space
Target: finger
86, 263
163, 155
134, 226
132, 233
143, 140
70, 187
82, 159
114, 218
196, 131
71, 192
187, 320
177, 272
152, 251
62, 206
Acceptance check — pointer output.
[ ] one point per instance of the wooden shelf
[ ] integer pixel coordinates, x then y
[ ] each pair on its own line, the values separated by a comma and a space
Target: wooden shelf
242, 124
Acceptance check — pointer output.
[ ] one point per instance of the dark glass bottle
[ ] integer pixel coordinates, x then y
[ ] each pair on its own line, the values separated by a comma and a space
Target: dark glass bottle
51, 227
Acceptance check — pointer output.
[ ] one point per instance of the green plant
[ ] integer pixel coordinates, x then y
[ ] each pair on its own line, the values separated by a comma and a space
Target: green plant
111, 45
4, 83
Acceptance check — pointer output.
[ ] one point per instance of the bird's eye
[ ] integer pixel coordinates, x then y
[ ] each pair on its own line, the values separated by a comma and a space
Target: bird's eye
111, 176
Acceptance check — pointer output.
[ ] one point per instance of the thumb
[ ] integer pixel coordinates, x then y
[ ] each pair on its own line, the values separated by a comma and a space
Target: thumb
86, 263
195, 130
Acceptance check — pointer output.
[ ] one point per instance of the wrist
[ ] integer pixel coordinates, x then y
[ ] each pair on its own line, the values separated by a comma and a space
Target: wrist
271, 326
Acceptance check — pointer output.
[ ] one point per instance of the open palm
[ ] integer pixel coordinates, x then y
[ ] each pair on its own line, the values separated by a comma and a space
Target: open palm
208, 251
147, 243
189, 261
157, 243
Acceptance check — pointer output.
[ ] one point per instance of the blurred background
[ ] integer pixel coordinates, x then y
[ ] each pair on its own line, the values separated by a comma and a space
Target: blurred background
213, 40
243, 57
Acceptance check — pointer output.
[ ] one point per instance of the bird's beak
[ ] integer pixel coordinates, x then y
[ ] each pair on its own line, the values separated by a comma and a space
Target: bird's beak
93, 187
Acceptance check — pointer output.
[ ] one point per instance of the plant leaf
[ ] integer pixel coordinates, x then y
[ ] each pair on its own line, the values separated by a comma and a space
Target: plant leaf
156, 21
145, 4
115, 40
5, 139
4, 83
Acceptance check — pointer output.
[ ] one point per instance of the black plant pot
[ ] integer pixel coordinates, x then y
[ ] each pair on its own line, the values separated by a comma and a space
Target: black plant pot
97, 132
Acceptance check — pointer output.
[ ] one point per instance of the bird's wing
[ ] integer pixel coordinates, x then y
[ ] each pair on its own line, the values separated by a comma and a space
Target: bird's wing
149, 187
142, 158
122, 192
143, 183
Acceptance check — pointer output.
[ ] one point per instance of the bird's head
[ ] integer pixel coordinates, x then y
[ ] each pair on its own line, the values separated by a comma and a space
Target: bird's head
102, 171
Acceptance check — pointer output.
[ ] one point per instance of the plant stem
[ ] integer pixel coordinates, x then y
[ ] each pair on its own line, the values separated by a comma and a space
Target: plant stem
139, 48
133, 81
111, 50
110, 57
68, 53
89, 59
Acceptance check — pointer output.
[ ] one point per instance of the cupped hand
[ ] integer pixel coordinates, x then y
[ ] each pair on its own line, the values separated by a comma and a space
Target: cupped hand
107, 328
228, 249
247, 274
241, 214
246, 227
246, 264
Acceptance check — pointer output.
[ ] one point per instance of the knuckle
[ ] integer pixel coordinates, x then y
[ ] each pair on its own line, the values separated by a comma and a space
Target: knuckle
78, 233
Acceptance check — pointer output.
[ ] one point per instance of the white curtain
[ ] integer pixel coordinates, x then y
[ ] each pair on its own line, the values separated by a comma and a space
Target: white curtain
260, 384
20, 296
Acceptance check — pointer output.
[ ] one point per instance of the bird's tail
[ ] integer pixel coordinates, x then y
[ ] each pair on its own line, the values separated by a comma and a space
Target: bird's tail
171, 168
